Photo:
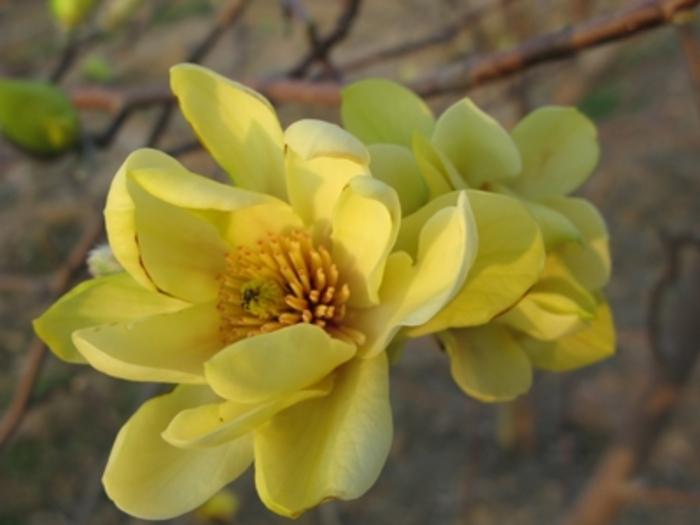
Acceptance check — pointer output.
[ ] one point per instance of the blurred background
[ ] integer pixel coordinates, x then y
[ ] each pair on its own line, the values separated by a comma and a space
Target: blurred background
454, 461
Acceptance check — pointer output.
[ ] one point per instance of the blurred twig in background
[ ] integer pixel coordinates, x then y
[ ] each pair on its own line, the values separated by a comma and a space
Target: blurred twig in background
678, 350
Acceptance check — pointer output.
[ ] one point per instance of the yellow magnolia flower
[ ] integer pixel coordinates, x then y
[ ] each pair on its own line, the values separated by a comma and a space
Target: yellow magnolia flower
270, 303
517, 308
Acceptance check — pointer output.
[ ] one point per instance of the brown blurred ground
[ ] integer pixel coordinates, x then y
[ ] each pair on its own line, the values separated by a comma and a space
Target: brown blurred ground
454, 460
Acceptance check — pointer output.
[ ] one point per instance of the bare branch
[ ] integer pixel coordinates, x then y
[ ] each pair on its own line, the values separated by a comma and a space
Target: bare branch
62, 280
320, 48
441, 36
227, 18
644, 15
604, 497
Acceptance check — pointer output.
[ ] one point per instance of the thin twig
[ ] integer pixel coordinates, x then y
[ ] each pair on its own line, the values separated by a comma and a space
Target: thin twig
321, 48
61, 281
641, 16
441, 36
227, 17
72, 48
603, 497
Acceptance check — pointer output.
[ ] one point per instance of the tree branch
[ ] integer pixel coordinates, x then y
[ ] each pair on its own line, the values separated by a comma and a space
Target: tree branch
644, 15
227, 18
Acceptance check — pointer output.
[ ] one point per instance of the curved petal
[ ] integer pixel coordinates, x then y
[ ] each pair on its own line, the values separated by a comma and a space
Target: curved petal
321, 158
556, 306
582, 348
216, 423
588, 260
333, 447
444, 249
114, 298
509, 261
487, 363
311, 138
556, 228
559, 148
267, 366
397, 167
381, 111
208, 209
182, 253
237, 125
365, 224
148, 478
437, 170
170, 347
481, 150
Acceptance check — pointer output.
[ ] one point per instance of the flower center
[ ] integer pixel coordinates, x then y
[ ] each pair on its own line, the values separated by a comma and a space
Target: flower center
281, 281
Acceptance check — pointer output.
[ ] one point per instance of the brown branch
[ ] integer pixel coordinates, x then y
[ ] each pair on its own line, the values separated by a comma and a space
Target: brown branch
61, 281
604, 497
439, 37
321, 48
227, 18
644, 15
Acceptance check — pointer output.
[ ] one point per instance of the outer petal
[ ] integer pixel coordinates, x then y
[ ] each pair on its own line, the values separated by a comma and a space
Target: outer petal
559, 148
217, 423
588, 260
203, 204
557, 305
108, 299
476, 144
439, 173
444, 250
237, 125
487, 363
555, 227
582, 348
509, 261
267, 366
396, 166
366, 222
148, 478
328, 448
381, 111
321, 159
170, 347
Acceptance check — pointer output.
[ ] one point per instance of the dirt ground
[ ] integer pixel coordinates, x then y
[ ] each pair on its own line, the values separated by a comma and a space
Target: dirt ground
454, 461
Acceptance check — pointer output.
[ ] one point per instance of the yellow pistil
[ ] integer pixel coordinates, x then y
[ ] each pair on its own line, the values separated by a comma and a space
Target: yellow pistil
281, 281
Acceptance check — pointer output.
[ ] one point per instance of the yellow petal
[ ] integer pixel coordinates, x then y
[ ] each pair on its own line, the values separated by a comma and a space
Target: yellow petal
150, 479
439, 173
333, 447
477, 145
311, 138
170, 347
588, 345
588, 260
315, 186
396, 166
487, 363
114, 298
237, 125
182, 253
190, 197
412, 293
267, 366
559, 148
381, 111
509, 261
217, 423
556, 306
366, 222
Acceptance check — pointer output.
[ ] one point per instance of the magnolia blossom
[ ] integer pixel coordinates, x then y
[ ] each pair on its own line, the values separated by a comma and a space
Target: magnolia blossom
533, 295
269, 303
